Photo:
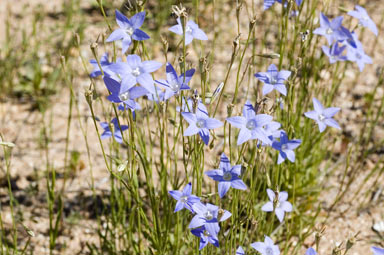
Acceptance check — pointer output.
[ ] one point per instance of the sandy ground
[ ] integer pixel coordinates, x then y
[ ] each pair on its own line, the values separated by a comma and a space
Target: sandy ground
23, 127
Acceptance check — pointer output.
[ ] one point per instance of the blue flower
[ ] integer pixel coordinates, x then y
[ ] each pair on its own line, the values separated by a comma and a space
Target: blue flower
377, 250
364, 19
205, 237
285, 148
252, 125
104, 65
277, 203
174, 84
208, 216
184, 198
124, 92
129, 29
323, 116
240, 251
273, 79
267, 247
192, 31
355, 52
310, 251
334, 53
200, 123
332, 30
227, 176
117, 131
135, 71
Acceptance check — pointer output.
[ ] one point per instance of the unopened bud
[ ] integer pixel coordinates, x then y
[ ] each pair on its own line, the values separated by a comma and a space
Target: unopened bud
94, 46
77, 39
230, 109
236, 42
220, 214
252, 24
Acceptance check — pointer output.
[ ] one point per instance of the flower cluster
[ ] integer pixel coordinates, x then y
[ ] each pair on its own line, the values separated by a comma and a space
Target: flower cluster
340, 39
129, 80
205, 223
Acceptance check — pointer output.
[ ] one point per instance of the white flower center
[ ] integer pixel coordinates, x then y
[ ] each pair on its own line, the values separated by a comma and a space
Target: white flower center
208, 215
329, 31
273, 80
321, 117
251, 124
200, 123
129, 31
188, 30
284, 147
227, 176
365, 18
358, 55
124, 96
136, 72
268, 251
174, 86
184, 199
205, 233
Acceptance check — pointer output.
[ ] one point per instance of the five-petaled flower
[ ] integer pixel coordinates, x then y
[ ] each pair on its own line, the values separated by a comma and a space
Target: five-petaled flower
184, 198
208, 216
355, 52
117, 130
129, 29
277, 203
124, 92
200, 123
227, 176
174, 83
323, 116
334, 52
267, 247
252, 125
273, 79
137, 71
205, 237
364, 19
332, 30
192, 31
285, 148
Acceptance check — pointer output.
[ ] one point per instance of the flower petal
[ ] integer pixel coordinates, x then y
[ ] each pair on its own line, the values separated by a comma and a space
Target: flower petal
238, 184
150, 66
280, 214
118, 34
176, 194
145, 80
317, 105
237, 121
137, 20
267, 207
140, 35
223, 188
204, 134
